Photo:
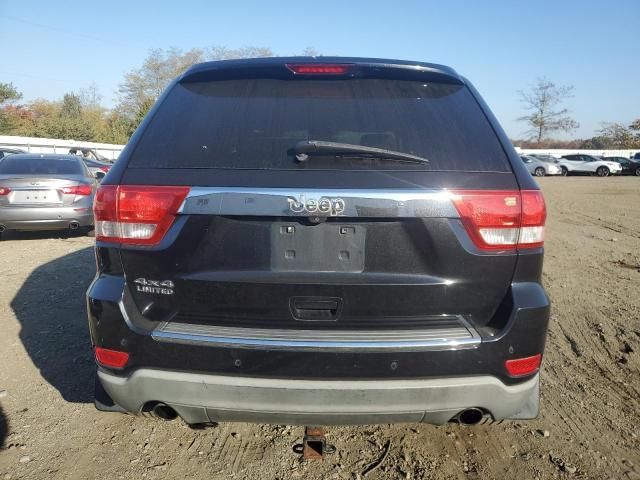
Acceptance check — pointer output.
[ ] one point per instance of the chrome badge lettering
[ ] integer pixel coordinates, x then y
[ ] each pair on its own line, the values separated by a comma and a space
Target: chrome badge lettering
329, 206
159, 287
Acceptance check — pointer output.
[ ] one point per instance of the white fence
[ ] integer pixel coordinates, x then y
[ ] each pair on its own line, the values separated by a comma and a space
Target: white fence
55, 145
558, 152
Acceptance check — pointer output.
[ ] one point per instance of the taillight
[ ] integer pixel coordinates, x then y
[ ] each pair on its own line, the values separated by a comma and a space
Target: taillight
320, 68
4, 191
534, 216
502, 219
83, 190
136, 215
104, 169
520, 367
111, 358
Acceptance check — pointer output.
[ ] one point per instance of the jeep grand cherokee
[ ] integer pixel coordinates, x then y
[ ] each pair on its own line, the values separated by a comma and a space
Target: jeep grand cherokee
319, 241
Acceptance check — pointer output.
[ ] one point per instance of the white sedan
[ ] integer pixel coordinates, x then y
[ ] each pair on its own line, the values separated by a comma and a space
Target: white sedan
539, 168
581, 163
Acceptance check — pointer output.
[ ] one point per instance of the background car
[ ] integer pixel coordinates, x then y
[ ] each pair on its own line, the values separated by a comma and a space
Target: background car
89, 153
588, 164
97, 169
538, 168
544, 157
629, 167
45, 192
4, 151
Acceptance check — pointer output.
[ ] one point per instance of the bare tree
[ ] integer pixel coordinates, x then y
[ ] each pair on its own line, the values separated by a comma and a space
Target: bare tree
616, 135
142, 86
90, 96
217, 52
310, 52
543, 101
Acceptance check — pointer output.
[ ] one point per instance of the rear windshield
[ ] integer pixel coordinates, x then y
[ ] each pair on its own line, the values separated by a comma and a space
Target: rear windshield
39, 166
256, 123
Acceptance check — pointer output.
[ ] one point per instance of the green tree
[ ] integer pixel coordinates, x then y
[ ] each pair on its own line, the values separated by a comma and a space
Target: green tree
119, 128
543, 100
72, 122
41, 120
8, 94
71, 106
67, 118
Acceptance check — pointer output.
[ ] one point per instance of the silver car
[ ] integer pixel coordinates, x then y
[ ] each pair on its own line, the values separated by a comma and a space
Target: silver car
45, 192
538, 168
544, 157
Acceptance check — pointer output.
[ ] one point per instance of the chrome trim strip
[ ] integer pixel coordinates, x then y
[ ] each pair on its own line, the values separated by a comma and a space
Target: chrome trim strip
279, 202
451, 338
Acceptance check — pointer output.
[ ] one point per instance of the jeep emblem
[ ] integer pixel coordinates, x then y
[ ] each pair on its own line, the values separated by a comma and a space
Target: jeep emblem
328, 206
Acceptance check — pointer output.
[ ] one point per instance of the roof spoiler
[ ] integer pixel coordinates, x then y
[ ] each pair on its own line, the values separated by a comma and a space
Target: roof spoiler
276, 68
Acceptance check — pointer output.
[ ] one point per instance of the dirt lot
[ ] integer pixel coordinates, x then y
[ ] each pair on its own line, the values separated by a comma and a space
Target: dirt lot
588, 428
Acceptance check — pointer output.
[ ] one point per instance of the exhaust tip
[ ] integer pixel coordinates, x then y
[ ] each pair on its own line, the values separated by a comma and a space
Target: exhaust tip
164, 412
470, 416
74, 225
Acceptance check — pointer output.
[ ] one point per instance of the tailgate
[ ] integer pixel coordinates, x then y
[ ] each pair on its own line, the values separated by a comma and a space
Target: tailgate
318, 259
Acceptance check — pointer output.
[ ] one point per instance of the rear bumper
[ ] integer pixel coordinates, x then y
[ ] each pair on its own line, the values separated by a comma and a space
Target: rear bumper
45, 218
521, 332
206, 379
200, 398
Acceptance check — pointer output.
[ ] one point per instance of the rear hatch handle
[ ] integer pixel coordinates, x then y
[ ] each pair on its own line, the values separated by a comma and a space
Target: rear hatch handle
315, 308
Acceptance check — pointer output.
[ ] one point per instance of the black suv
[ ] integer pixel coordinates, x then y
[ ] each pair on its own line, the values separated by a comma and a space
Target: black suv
629, 167
319, 241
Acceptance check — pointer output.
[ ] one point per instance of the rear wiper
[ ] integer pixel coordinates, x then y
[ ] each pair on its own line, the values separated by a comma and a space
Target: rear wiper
306, 148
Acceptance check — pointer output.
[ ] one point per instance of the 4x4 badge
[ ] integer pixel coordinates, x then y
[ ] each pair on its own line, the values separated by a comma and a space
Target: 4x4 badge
160, 287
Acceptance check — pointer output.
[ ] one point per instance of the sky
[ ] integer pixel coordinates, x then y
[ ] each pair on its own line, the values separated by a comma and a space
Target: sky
48, 48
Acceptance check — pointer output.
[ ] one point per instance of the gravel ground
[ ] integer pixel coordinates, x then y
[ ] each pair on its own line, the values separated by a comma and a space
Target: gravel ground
588, 427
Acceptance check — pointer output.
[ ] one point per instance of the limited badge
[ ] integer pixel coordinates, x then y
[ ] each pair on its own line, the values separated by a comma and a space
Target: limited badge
158, 287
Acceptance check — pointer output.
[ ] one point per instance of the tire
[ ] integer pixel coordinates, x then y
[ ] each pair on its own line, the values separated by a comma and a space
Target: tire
539, 172
637, 172
602, 172
563, 171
